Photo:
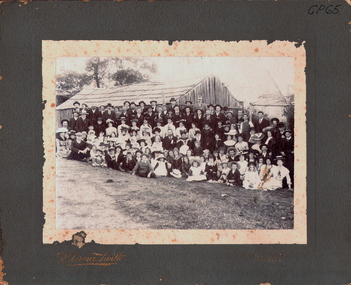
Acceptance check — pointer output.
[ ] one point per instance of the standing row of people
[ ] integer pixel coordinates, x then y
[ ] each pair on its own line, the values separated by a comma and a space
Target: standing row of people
196, 145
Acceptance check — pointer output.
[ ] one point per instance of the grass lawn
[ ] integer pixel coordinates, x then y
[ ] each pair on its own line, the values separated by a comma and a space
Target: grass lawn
101, 198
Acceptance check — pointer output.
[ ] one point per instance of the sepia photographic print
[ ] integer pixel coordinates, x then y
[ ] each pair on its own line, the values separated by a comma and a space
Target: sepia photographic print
189, 143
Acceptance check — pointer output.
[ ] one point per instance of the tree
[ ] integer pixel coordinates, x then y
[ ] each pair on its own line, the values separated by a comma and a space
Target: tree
132, 70
97, 68
69, 84
129, 76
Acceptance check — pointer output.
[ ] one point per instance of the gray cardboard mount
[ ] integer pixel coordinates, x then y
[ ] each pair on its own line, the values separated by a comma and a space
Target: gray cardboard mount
326, 257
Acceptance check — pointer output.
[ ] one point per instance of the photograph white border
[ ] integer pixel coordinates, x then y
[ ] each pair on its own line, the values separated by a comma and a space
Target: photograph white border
54, 49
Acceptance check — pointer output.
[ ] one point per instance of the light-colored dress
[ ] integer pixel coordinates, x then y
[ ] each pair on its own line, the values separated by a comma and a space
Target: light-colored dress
276, 180
251, 180
160, 169
196, 174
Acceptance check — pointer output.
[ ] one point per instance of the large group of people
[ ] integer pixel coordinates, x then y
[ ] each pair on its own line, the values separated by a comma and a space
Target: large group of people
196, 144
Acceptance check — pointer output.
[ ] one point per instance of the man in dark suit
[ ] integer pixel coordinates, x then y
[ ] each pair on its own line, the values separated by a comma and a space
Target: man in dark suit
83, 122
159, 115
109, 114
218, 116
125, 114
173, 104
287, 150
132, 110
79, 149
261, 123
170, 141
99, 127
139, 116
94, 114
153, 106
72, 125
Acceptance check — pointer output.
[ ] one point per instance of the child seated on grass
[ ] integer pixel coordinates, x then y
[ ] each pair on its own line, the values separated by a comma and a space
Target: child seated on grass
211, 170
143, 168
251, 180
233, 177
160, 168
99, 159
223, 172
195, 172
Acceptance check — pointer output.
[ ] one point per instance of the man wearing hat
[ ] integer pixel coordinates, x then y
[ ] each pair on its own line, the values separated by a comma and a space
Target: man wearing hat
159, 116
143, 107
173, 104
260, 123
230, 117
79, 148
99, 126
110, 158
94, 114
109, 114
132, 110
188, 104
72, 125
153, 106
287, 151
211, 107
218, 116
83, 122
188, 116
76, 107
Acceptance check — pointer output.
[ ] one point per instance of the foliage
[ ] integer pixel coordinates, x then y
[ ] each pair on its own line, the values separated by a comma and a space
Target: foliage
104, 72
129, 76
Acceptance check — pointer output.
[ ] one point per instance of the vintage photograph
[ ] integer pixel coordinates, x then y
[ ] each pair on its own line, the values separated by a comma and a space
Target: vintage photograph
175, 143
152, 144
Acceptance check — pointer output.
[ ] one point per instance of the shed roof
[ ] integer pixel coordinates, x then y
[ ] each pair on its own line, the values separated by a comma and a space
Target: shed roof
145, 91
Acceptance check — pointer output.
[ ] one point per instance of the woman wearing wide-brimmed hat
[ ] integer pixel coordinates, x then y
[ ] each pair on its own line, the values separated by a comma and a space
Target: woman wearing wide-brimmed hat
279, 172
161, 168
62, 149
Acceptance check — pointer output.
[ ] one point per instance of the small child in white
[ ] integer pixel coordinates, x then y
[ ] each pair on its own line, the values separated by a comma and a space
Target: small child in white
251, 180
160, 168
195, 172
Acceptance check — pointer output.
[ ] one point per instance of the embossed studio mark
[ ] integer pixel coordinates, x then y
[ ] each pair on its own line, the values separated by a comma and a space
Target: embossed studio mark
329, 10
73, 259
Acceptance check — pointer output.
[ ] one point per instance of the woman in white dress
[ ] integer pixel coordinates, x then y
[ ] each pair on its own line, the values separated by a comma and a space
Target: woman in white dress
279, 172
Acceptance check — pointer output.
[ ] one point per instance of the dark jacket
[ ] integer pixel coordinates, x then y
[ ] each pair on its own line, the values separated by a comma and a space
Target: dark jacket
83, 125
234, 177
169, 142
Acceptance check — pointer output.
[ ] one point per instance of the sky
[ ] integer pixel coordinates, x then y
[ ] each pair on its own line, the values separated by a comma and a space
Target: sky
243, 76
